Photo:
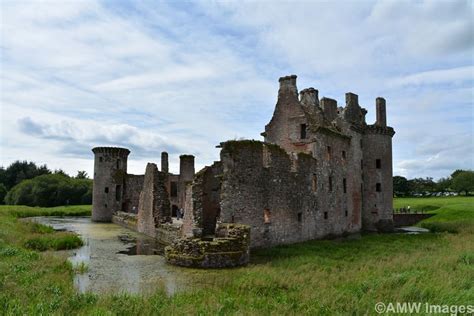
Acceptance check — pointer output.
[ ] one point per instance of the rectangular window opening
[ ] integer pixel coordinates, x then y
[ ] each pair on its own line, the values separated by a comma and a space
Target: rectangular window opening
314, 183
300, 217
330, 184
101, 159
118, 192
325, 215
266, 216
344, 154
344, 185
118, 163
329, 152
378, 187
378, 163
346, 213
303, 131
106, 190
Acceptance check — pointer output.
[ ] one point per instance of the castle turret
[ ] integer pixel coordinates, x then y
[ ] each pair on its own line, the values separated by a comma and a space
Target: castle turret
377, 173
110, 169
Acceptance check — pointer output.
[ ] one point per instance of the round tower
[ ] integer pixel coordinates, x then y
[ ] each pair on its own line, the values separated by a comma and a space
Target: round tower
110, 170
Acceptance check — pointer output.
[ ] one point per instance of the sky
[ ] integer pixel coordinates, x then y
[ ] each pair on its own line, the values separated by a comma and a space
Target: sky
183, 76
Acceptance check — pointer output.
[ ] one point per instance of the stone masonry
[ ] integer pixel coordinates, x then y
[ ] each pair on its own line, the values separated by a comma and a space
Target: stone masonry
320, 171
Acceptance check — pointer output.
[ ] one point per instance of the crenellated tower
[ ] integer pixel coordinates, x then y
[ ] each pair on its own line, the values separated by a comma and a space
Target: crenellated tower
110, 170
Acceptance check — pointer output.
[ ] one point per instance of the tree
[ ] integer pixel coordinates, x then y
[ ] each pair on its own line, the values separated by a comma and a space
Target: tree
455, 173
443, 184
51, 190
3, 192
81, 175
401, 186
61, 172
422, 185
464, 182
19, 171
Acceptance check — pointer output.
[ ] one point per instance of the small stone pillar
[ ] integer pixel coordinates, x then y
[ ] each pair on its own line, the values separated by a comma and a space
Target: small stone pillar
381, 112
164, 162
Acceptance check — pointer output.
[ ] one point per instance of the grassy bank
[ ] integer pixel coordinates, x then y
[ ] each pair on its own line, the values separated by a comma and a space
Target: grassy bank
317, 277
450, 213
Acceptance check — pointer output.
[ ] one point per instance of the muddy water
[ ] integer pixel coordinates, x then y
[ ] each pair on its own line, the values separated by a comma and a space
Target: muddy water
120, 260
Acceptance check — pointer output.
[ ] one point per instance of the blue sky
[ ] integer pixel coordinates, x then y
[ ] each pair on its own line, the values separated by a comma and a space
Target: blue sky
184, 76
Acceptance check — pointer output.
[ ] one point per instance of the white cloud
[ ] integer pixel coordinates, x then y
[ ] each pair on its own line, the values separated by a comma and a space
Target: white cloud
449, 76
150, 76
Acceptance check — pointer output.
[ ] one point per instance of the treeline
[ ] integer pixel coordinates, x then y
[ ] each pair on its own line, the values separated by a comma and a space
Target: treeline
460, 182
25, 183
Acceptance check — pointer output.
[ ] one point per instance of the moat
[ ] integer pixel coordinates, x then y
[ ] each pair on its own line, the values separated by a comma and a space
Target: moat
120, 260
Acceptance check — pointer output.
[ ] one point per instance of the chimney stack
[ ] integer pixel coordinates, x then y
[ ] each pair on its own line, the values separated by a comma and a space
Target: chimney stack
381, 112
164, 162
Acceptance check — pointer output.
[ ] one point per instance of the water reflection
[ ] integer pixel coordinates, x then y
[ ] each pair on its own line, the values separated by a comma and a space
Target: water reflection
120, 260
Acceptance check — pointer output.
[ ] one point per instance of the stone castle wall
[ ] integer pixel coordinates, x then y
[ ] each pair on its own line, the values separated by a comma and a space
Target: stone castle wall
273, 193
132, 187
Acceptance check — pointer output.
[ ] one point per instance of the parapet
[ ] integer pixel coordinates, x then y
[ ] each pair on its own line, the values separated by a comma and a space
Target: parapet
117, 151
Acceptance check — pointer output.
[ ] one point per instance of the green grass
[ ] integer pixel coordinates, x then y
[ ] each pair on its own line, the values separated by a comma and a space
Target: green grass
331, 277
451, 213
28, 211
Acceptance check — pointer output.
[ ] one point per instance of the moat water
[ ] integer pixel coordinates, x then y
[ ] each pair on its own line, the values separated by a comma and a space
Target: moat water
120, 260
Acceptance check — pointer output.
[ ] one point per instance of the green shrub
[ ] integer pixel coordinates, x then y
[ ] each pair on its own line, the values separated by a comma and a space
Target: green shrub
54, 242
51, 190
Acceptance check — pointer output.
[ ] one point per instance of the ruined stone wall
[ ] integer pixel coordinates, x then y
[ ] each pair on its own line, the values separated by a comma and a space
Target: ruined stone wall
132, 187
189, 220
202, 206
154, 205
273, 193
229, 249
377, 206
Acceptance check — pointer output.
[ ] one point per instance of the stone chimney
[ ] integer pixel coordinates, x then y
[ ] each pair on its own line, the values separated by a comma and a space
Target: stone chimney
288, 87
381, 112
309, 97
164, 162
329, 108
352, 99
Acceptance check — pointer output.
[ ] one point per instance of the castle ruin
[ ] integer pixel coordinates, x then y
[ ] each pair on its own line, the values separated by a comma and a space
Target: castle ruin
321, 171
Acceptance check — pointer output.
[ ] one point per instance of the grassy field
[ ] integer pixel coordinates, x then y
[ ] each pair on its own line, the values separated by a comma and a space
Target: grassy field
318, 277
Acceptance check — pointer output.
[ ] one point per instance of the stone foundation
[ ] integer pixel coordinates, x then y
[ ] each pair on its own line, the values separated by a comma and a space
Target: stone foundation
127, 220
229, 249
